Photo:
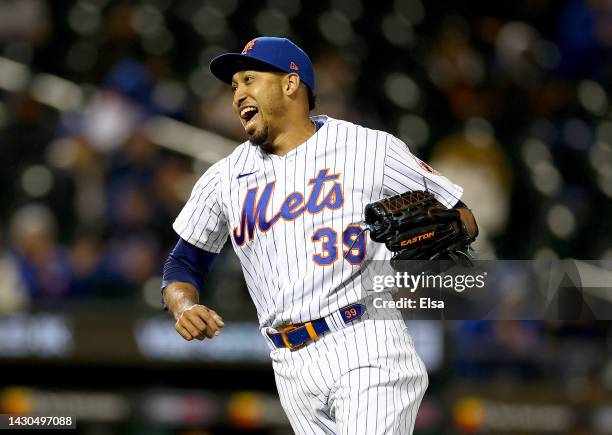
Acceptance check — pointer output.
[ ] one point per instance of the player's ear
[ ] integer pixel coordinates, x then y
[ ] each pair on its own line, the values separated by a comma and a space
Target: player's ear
291, 84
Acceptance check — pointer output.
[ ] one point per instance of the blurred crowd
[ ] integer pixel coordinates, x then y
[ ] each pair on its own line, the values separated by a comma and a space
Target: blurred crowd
510, 100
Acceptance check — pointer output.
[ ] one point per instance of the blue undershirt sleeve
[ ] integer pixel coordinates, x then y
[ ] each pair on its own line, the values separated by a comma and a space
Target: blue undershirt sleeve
187, 263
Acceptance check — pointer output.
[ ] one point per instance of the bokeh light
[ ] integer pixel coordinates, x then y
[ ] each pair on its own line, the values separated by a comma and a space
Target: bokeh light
109, 115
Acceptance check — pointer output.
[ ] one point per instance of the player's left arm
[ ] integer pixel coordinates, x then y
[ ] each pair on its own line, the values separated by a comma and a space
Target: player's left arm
403, 172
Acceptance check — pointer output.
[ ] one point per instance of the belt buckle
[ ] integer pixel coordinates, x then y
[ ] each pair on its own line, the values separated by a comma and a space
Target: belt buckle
285, 330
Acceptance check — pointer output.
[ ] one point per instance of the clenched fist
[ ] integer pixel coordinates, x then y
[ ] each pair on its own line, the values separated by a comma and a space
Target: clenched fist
199, 322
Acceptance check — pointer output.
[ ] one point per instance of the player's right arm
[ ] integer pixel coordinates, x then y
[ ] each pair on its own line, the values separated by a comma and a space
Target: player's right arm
192, 319
202, 228
184, 272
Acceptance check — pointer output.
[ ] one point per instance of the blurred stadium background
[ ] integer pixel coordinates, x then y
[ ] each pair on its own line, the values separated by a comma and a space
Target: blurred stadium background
108, 114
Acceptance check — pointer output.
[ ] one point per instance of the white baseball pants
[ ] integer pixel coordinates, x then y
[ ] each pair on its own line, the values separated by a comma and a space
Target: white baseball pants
365, 379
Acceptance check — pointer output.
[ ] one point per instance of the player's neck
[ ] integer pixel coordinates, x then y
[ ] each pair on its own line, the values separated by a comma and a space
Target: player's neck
295, 134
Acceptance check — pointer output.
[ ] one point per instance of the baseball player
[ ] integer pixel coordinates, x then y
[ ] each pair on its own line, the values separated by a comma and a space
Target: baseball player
291, 199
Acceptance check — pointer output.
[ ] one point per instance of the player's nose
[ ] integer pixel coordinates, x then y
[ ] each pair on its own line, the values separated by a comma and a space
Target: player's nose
239, 96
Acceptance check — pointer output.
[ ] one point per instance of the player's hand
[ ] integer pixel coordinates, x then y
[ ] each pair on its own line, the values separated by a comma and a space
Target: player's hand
199, 322
467, 217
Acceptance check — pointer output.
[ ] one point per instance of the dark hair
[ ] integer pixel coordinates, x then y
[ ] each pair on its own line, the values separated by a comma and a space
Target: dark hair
312, 99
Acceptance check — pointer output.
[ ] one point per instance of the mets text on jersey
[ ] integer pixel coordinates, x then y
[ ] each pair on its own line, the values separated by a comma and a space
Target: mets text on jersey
254, 210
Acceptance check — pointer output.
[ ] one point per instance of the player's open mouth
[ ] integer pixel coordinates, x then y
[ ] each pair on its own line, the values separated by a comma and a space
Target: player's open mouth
248, 113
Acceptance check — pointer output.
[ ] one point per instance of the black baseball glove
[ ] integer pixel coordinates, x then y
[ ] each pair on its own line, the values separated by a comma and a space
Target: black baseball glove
416, 226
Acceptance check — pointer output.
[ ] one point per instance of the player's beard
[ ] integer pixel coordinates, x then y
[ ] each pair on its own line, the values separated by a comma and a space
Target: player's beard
263, 128
260, 135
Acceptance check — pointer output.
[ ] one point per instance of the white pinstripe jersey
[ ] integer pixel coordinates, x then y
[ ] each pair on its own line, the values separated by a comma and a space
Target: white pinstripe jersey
291, 219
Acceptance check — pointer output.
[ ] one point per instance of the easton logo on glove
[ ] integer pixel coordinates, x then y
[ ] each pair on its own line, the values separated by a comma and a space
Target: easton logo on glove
417, 238
416, 226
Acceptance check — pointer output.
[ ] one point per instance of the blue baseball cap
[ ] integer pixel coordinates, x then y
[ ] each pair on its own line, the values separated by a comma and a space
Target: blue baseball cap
265, 53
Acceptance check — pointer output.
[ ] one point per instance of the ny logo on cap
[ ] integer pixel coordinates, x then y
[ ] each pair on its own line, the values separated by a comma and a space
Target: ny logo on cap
249, 46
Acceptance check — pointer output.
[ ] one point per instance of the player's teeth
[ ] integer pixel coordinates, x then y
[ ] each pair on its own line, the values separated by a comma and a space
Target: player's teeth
246, 110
